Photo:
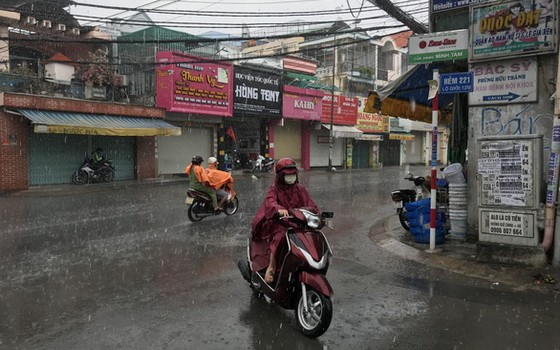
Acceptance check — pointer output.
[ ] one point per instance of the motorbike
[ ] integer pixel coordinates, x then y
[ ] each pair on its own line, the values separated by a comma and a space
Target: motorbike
402, 196
263, 164
200, 204
85, 173
300, 283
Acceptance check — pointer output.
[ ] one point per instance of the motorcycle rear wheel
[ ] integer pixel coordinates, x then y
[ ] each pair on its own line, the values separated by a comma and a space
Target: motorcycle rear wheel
192, 211
80, 177
231, 206
317, 320
403, 219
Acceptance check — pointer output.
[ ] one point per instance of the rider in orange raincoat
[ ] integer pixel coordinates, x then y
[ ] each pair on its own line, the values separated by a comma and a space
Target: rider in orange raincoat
218, 178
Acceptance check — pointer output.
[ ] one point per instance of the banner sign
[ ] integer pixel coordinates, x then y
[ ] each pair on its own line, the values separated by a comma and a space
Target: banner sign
256, 93
454, 83
513, 28
300, 103
445, 5
440, 46
345, 110
504, 82
190, 84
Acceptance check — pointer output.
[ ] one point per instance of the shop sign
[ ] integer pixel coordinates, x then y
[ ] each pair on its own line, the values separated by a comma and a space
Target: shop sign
304, 104
504, 82
372, 122
345, 110
189, 84
445, 5
256, 93
513, 28
440, 46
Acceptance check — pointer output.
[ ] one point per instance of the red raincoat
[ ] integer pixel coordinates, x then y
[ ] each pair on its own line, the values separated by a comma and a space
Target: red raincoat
266, 233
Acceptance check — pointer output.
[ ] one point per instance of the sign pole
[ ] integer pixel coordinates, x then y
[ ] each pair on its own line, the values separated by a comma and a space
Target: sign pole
433, 183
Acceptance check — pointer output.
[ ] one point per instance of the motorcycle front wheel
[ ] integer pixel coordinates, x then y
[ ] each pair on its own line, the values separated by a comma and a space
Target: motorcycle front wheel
195, 208
231, 206
107, 176
317, 319
403, 219
79, 177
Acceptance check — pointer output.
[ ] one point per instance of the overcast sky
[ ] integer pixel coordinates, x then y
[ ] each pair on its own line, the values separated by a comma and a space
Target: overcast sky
228, 15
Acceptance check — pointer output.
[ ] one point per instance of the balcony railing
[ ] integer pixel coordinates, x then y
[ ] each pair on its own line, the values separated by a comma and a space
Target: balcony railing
10, 82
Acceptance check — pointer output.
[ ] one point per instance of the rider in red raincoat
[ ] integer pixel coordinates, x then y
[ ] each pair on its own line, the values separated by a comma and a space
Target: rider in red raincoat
285, 193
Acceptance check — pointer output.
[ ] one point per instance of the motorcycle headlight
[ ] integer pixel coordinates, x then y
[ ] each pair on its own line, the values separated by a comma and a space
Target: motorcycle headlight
313, 220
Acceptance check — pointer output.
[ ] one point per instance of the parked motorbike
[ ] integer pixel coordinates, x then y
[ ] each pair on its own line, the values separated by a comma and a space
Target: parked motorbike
402, 196
300, 283
85, 173
200, 204
263, 164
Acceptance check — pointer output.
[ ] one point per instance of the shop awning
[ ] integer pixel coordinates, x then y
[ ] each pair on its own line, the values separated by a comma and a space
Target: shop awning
401, 136
413, 86
97, 124
300, 76
348, 131
370, 137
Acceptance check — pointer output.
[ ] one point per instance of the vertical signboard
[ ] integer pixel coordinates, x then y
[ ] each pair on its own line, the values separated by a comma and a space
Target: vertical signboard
190, 84
509, 188
513, 28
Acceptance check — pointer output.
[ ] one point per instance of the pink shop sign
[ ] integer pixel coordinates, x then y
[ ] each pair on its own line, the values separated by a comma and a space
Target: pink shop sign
304, 104
190, 84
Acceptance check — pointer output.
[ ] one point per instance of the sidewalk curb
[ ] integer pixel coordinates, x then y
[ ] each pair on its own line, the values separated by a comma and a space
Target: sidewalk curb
516, 278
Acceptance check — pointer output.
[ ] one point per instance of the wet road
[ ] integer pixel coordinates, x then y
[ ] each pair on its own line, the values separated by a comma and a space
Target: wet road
123, 268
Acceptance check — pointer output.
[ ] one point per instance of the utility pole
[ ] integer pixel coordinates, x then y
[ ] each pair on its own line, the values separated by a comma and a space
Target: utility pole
400, 15
331, 132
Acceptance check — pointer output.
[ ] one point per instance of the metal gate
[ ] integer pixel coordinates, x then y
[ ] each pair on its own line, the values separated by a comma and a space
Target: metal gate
53, 158
390, 152
360, 154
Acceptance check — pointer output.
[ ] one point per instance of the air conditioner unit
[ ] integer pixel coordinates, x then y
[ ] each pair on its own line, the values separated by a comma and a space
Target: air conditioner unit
30, 20
76, 31
60, 27
45, 24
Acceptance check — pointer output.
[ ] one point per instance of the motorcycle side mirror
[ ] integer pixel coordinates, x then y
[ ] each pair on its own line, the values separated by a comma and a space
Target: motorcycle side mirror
327, 214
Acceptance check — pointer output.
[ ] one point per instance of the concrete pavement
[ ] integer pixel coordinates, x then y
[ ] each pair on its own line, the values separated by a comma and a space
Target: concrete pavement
461, 257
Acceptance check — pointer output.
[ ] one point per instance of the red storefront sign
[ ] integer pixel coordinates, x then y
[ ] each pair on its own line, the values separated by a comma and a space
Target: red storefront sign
189, 84
345, 110
299, 103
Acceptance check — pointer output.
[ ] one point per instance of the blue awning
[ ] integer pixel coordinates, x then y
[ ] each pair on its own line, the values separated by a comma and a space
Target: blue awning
413, 86
97, 124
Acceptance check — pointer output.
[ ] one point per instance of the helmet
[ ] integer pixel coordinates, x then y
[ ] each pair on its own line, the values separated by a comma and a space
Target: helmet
197, 160
286, 166
212, 160
99, 150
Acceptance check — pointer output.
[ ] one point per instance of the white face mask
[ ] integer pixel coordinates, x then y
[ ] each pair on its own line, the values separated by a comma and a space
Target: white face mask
290, 179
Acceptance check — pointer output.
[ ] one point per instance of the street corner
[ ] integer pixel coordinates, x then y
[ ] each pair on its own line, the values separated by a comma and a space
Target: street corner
461, 258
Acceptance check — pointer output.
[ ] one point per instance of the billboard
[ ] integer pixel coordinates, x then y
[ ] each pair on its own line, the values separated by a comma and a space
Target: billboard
190, 84
513, 28
344, 110
257, 93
